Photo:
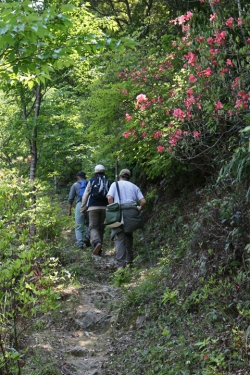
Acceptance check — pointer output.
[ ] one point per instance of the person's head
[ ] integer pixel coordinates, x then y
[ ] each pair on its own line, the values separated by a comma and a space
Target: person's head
81, 175
125, 174
99, 169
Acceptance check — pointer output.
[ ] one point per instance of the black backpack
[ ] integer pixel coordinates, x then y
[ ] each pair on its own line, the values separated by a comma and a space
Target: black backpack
99, 188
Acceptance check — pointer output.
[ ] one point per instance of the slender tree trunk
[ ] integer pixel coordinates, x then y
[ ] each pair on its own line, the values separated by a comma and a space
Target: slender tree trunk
33, 151
33, 144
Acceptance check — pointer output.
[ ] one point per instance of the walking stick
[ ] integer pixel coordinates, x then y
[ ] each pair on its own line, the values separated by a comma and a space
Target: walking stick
146, 245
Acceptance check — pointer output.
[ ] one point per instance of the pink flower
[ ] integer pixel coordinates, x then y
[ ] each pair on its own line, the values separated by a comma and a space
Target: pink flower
143, 124
207, 72
212, 16
240, 22
181, 19
218, 106
248, 40
192, 78
230, 112
178, 113
189, 15
157, 134
160, 148
200, 39
126, 135
190, 92
229, 62
214, 51
128, 117
223, 71
196, 134
235, 83
144, 135
210, 40
206, 357
191, 57
141, 98
229, 22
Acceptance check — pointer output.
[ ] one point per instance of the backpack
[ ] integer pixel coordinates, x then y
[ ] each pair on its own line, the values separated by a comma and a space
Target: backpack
83, 184
100, 188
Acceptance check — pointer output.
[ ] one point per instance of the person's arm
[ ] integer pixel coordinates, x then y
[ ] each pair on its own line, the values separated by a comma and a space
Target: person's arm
72, 195
110, 199
142, 204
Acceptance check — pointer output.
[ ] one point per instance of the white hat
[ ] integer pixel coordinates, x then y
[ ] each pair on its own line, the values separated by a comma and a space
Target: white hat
99, 168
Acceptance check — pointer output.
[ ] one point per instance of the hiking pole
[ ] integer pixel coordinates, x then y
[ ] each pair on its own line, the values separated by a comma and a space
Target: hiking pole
146, 245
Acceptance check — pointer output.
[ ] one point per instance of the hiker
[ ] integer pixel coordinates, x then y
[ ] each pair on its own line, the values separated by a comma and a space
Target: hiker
132, 201
76, 191
94, 201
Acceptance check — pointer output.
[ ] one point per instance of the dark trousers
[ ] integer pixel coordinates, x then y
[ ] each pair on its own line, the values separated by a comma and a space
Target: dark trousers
124, 248
96, 226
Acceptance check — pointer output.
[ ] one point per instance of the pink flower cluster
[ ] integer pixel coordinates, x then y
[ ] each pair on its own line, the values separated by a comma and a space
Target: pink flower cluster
157, 134
182, 19
173, 139
179, 114
191, 58
242, 101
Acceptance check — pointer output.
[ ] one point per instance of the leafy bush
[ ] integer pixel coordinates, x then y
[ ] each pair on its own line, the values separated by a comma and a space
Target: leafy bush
28, 273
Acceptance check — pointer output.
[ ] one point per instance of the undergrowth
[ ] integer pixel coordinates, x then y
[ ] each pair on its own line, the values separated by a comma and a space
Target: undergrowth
194, 303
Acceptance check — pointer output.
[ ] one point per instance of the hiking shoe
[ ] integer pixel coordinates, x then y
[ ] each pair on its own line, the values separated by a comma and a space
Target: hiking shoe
97, 248
87, 241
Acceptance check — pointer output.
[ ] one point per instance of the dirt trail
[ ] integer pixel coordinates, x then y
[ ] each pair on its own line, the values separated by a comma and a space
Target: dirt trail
75, 339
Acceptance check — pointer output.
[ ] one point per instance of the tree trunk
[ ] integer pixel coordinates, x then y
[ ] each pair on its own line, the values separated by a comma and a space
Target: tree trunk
33, 152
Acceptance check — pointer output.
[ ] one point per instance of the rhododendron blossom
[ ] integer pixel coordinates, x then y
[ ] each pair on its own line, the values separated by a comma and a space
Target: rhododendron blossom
128, 117
235, 83
143, 124
200, 39
196, 134
141, 98
178, 113
229, 62
248, 40
229, 22
218, 106
191, 57
212, 17
214, 51
160, 148
223, 71
206, 73
126, 135
192, 78
157, 134
240, 22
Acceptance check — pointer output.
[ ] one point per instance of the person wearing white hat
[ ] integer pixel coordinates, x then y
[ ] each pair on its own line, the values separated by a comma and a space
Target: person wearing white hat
95, 202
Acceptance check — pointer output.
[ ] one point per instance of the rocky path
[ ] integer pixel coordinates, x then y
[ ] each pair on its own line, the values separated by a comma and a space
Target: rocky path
75, 339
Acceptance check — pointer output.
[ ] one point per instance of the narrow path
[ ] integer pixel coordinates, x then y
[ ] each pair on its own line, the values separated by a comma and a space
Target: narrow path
75, 339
